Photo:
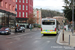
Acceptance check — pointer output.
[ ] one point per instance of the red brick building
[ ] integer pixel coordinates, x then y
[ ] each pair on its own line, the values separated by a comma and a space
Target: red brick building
24, 8
7, 12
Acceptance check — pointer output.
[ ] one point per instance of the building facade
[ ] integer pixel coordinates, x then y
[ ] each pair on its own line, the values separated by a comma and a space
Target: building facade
7, 13
37, 13
59, 19
24, 8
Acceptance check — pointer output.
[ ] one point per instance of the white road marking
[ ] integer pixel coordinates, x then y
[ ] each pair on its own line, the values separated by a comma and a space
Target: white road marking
19, 35
48, 41
36, 41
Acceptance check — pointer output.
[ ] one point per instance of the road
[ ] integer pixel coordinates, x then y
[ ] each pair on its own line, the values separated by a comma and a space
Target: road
31, 41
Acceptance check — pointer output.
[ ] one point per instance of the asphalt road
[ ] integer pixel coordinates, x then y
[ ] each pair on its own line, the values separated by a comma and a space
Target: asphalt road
31, 41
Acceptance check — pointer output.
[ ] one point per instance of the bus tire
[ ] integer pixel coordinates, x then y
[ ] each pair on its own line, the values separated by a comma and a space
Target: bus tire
43, 34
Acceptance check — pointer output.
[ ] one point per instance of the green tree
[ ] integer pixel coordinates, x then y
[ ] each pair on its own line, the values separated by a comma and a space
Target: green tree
31, 19
66, 2
68, 9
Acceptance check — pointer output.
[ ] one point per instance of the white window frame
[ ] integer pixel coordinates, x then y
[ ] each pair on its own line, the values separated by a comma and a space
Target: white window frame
19, 14
23, 7
23, 14
19, 7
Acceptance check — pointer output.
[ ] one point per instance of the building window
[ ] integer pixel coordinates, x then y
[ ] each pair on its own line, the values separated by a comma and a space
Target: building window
9, 6
5, 4
23, 7
13, 8
23, 1
0, 3
26, 7
19, 7
26, 14
19, 14
19, 1
13, 0
16, 5
26, 1
23, 14
16, 0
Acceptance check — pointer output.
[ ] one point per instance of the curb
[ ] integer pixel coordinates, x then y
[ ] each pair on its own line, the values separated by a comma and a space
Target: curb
58, 39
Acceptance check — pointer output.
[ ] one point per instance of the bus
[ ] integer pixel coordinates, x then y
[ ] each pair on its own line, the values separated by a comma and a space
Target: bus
49, 26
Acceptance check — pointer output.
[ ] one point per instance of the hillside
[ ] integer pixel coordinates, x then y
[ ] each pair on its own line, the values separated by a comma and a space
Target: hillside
50, 13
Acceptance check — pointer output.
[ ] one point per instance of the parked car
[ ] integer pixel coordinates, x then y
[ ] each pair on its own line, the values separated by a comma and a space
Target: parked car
20, 29
5, 30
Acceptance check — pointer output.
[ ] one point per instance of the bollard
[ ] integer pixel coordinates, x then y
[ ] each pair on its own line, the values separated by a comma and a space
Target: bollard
69, 39
63, 35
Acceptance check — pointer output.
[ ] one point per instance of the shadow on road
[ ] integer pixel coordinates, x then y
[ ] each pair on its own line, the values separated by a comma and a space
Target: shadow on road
50, 35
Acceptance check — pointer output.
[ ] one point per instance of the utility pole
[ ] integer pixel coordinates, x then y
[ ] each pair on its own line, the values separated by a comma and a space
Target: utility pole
73, 18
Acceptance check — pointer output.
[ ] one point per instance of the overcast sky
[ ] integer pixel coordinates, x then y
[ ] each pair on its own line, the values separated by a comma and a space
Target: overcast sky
49, 4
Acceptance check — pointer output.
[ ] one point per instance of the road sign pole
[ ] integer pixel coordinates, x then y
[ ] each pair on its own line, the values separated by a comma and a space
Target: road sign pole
63, 29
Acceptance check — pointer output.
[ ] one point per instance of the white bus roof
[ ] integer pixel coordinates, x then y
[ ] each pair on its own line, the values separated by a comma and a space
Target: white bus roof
48, 19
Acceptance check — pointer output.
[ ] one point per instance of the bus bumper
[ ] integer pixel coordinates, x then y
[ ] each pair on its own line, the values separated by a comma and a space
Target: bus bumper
55, 32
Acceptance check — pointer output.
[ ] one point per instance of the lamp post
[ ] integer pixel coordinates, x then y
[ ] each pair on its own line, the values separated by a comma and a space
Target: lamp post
73, 18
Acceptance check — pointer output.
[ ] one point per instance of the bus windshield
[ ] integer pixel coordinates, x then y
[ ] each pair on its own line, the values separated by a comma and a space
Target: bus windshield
48, 22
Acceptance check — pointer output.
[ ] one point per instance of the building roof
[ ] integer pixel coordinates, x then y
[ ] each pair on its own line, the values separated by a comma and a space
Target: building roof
58, 17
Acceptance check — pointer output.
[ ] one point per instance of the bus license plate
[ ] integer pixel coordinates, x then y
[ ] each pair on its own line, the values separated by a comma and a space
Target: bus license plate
48, 32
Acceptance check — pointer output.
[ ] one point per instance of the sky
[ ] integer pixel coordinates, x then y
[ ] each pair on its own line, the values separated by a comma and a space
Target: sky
49, 4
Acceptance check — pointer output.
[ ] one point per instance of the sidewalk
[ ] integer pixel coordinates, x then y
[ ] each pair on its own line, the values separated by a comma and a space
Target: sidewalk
66, 38
26, 30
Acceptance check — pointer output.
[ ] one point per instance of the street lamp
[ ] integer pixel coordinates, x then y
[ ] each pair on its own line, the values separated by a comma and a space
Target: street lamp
73, 18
